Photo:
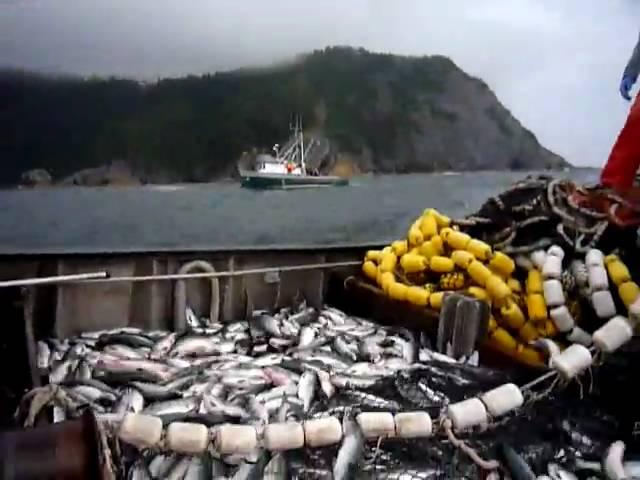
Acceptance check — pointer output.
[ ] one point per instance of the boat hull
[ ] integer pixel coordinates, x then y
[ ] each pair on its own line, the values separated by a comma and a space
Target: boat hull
276, 181
150, 305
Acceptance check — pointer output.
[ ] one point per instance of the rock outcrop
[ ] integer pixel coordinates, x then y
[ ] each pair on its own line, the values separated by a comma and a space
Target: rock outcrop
386, 113
37, 177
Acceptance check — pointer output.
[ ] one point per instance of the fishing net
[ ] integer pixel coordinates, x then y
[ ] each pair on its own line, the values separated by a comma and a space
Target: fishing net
567, 424
541, 211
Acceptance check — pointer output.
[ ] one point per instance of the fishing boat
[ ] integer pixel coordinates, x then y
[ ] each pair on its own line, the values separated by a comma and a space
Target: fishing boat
288, 168
66, 295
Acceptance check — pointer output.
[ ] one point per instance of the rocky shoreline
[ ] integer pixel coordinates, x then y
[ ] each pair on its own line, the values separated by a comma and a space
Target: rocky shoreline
121, 175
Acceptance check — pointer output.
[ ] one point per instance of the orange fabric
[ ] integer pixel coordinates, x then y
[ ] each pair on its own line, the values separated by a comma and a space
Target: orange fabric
622, 208
624, 160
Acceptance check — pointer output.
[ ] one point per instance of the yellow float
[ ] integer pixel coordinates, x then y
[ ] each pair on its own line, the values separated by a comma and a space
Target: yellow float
439, 258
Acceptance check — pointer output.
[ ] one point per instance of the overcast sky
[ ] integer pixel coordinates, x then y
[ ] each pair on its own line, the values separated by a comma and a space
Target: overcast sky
556, 64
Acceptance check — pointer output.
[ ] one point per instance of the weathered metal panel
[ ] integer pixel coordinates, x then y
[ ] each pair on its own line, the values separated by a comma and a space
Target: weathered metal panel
150, 304
94, 306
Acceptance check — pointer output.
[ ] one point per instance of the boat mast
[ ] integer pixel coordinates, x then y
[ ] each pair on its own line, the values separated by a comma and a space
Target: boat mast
303, 167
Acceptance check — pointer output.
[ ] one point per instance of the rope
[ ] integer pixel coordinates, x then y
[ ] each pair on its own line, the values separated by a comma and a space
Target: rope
24, 282
223, 274
180, 294
540, 199
470, 451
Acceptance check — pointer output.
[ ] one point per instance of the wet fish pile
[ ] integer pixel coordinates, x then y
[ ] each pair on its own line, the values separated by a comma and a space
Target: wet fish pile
294, 365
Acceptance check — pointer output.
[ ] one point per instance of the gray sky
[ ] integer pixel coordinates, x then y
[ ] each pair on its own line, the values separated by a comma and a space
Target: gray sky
555, 63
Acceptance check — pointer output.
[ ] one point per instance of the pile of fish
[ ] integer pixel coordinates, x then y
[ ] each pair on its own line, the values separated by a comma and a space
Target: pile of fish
296, 364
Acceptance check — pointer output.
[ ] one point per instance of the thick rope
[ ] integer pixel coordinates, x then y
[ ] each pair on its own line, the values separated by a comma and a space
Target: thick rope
180, 294
470, 451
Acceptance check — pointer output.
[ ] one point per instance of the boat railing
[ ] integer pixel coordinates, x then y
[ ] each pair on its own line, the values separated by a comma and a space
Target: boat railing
104, 277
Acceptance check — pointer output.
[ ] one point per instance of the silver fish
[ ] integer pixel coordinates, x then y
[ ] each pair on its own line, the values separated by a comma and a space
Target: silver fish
212, 404
192, 319
329, 360
245, 381
287, 412
474, 359
359, 332
237, 327
93, 394
257, 409
274, 404
632, 468
307, 388
183, 405
133, 339
162, 347
158, 370
393, 365
365, 369
83, 371
410, 474
325, 383
270, 359
612, 464
197, 389
409, 350
156, 391
44, 355
515, 464
281, 343
218, 469
213, 329
352, 382
177, 363
276, 392
304, 316
267, 323
276, 469
313, 345
307, 335
556, 472
161, 464
333, 315
139, 471
131, 401
179, 469
351, 450
123, 351
426, 355
289, 328
62, 370
280, 376
59, 414
369, 400
370, 350
344, 348
199, 346
198, 469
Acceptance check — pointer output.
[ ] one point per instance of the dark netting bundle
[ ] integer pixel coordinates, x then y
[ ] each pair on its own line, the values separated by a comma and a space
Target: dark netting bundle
559, 428
541, 211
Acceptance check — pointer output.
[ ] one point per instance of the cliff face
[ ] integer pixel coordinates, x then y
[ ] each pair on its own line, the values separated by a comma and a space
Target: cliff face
457, 125
381, 113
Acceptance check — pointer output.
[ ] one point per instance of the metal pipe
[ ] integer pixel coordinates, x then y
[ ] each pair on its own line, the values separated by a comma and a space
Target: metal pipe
63, 450
24, 282
227, 273
28, 306
538, 380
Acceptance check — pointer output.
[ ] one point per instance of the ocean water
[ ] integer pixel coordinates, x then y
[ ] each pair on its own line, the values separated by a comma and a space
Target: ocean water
373, 210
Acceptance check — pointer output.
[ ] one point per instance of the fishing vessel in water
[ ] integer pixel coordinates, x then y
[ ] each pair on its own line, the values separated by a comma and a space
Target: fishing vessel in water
288, 169
178, 354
